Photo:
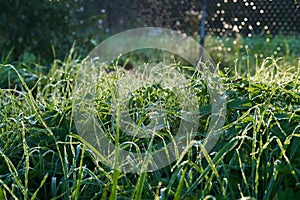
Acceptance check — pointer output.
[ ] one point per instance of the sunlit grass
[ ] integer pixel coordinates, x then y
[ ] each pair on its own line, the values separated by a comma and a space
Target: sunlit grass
257, 155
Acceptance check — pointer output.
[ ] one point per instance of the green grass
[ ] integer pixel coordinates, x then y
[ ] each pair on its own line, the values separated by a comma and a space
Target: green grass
240, 50
256, 157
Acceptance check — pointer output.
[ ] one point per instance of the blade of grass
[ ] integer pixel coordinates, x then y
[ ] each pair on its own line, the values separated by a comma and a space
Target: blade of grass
9, 190
25, 148
76, 192
40, 186
180, 186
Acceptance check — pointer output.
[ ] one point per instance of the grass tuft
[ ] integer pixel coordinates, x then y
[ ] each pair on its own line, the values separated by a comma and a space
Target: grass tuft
256, 157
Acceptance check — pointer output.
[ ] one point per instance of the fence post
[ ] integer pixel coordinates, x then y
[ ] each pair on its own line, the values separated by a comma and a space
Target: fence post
202, 26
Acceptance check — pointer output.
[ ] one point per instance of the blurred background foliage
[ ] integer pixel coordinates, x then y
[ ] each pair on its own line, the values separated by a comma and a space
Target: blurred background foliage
39, 31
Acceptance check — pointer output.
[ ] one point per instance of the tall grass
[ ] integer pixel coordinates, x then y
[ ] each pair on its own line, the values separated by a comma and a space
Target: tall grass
256, 157
240, 50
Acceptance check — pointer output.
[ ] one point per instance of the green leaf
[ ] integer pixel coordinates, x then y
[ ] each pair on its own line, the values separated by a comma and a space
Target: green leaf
240, 104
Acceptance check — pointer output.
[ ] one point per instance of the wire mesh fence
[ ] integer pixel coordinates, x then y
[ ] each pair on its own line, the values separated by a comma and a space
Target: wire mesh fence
36, 27
224, 17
